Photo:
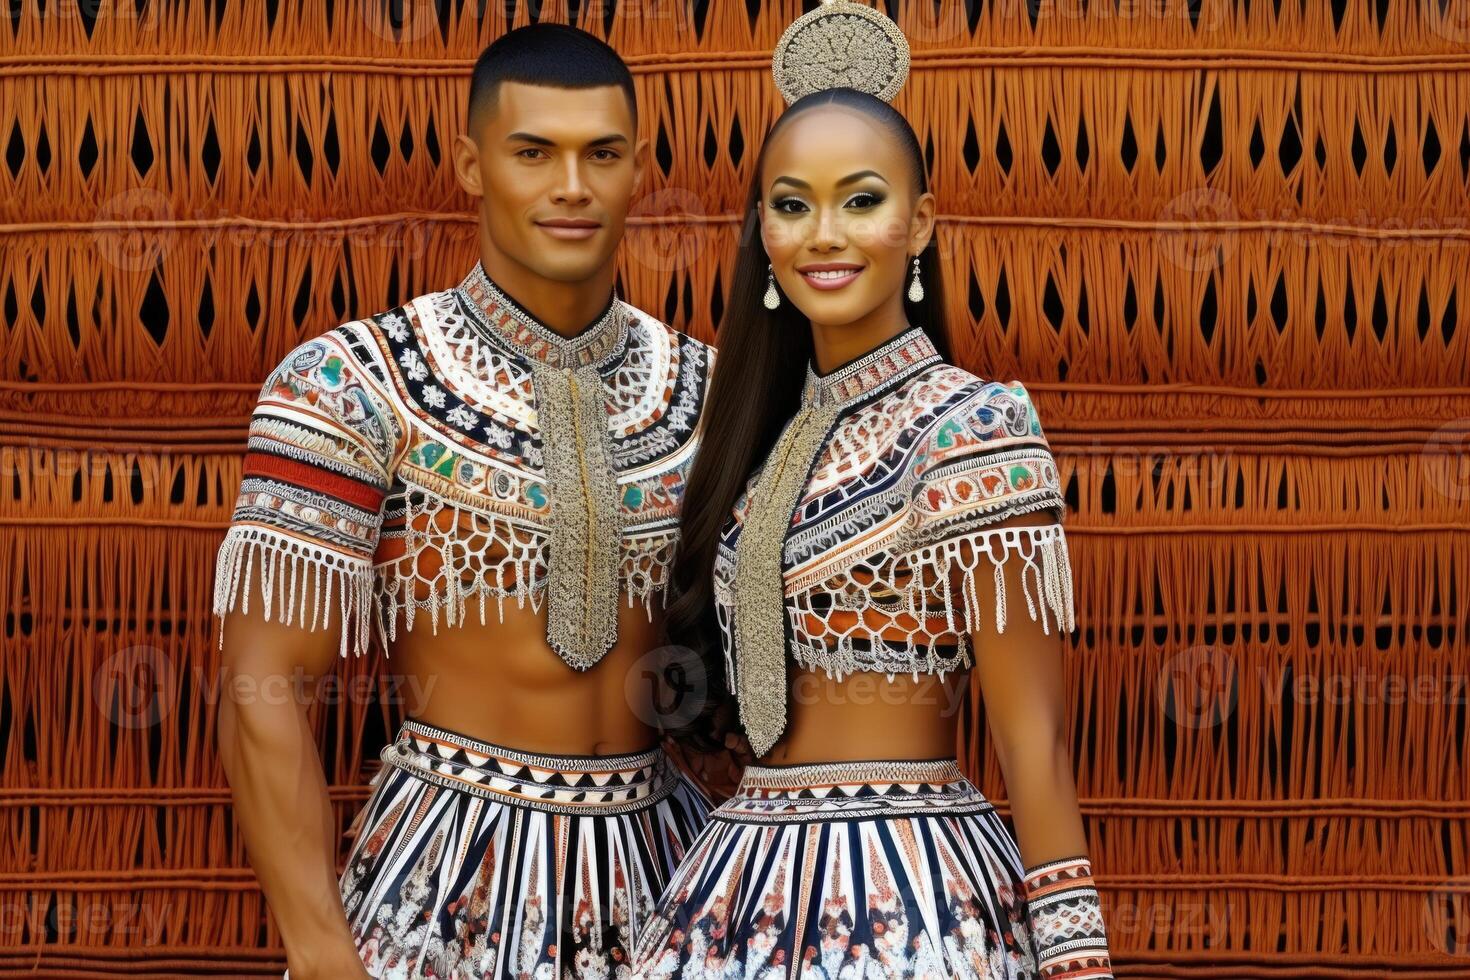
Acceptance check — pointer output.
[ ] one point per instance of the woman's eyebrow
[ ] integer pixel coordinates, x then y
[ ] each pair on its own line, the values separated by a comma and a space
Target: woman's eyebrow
794, 182
849, 179
855, 177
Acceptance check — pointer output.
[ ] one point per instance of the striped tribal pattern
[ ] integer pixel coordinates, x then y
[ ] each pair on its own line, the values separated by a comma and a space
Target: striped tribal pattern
1066, 920
451, 877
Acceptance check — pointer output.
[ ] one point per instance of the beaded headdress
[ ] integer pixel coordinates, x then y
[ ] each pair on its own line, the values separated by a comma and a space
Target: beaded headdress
841, 44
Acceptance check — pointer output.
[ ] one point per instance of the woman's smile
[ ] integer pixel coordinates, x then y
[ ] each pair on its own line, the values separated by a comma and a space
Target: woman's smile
830, 275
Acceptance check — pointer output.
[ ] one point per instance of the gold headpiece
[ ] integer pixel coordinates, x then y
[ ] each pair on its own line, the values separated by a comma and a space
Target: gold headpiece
841, 44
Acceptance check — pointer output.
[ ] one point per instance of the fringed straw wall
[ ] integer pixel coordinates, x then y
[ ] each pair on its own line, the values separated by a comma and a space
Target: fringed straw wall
1224, 241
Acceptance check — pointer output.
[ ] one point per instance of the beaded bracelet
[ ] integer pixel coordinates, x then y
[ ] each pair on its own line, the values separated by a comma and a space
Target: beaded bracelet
1067, 932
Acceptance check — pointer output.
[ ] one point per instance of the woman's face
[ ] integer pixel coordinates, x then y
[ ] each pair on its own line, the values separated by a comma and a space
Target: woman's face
839, 217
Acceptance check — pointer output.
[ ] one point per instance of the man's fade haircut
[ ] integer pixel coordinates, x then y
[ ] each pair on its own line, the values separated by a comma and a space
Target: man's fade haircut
554, 55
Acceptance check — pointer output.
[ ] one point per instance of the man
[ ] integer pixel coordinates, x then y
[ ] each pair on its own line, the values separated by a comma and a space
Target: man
505, 460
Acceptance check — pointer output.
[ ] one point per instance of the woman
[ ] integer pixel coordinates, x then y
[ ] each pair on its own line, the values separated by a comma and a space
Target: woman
850, 488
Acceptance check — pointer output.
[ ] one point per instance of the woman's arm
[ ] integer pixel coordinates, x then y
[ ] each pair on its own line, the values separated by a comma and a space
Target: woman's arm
1020, 672
1021, 677
987, 513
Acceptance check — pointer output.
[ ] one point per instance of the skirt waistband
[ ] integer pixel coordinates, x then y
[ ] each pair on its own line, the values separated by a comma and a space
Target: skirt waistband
918, 773
852, 790
586, 784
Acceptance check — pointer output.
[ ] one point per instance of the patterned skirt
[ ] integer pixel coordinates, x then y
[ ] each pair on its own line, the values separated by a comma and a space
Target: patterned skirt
846, 870
477, 860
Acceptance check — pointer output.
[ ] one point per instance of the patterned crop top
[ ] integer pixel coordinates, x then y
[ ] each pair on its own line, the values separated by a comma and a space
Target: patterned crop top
455, 450
882, 490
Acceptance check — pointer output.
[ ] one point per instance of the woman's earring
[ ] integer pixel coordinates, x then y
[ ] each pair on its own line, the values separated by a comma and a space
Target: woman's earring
772, 298
916, 288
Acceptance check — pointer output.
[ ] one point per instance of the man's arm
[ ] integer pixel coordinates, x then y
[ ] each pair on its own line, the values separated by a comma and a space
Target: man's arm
280, 788
293, 573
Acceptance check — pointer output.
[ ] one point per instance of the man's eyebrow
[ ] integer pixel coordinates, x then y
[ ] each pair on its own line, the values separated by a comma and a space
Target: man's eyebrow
543, 141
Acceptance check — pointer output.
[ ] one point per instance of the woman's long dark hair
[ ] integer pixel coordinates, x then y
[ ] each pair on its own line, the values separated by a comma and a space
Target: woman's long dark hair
760, 367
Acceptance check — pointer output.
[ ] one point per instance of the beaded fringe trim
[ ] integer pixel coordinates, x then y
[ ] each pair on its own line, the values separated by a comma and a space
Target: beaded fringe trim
1048, 545
287, 559
306, 580
1047, 587
760, 640
912, 581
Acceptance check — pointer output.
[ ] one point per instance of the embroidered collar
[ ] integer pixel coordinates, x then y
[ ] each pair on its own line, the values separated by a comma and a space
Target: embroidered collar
502, 319
890, 362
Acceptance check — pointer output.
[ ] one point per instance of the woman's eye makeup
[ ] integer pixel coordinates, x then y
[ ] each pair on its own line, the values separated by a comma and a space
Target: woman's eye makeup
869, 199
861, 200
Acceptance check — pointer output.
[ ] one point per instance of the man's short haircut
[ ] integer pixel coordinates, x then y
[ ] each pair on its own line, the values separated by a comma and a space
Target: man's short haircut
555, 55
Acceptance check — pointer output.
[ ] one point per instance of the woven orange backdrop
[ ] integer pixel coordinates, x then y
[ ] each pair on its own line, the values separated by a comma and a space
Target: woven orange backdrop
1225, 245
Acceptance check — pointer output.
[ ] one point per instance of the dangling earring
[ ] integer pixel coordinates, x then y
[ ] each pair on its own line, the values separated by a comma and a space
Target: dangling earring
916, 288
772, 298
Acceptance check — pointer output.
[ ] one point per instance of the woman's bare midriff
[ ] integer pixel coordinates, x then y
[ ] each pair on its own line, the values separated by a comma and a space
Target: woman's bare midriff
866, 716
500, 682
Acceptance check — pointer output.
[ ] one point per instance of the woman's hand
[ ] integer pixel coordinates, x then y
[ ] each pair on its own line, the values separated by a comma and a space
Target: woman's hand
327, 961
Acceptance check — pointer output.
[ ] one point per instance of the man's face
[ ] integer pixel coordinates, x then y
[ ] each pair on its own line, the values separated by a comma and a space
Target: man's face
555, 170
